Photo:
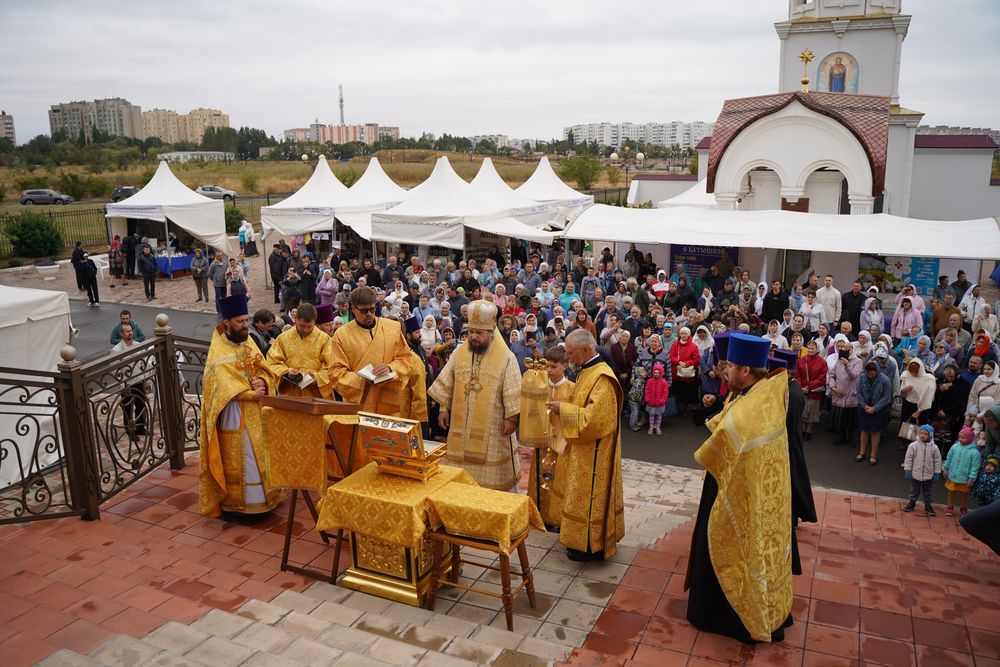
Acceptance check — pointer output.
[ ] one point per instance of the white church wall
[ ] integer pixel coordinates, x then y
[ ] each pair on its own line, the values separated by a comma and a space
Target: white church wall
898, 169
766, 192
656, 191
823, 190
953, 185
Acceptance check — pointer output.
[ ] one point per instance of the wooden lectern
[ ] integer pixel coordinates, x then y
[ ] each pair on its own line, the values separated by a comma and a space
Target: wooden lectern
297, 429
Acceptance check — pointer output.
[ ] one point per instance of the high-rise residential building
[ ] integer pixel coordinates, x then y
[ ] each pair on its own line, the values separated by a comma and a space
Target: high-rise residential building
114, 116
7, 127
685, 135
171, 127
319, 133
500, 140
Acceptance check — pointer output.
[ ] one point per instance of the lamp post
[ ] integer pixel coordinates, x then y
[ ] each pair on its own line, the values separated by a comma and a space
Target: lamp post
627, 161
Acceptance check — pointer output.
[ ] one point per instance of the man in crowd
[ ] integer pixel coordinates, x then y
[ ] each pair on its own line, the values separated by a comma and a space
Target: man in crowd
413, 403
479, 391
829, 297
129, 245
775, 303
593, 509
325, 317
941, 315
125, 317
277, 265
260, 330
149, 270
232, 477
740, 575
369, 340
851, 305
301, 352
134, 396
217, 276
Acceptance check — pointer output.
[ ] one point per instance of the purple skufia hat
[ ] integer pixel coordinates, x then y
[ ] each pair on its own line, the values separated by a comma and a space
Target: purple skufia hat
233, 306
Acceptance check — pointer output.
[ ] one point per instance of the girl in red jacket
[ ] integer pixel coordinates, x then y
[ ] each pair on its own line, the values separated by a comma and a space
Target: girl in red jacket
657, 393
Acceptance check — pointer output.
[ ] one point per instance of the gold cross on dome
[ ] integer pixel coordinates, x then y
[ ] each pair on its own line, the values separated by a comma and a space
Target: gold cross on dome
806, 57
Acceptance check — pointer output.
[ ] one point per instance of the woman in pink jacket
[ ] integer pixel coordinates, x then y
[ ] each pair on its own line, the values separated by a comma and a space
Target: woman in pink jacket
684, 362
906, 316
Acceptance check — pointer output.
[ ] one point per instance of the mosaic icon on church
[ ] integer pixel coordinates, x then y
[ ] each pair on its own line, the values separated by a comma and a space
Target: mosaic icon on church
838, 73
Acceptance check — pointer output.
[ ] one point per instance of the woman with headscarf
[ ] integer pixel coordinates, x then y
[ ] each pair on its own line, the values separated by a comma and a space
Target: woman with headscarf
874, 407
985, 390
940, 359
925, 352
706, 302
772, 334
843, 382
116, 262
864, 344
811, 372
971, 305
429, 333
758, 303
823, 338
684, 359
872, 315
703, 339
581, 320
813, 313
327, 287
983, 347
907, 346
905, 318
917, 388
668, 336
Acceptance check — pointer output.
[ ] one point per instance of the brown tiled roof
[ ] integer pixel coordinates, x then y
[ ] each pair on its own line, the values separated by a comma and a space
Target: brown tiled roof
954, 141
704, 143
866, 116
665, 177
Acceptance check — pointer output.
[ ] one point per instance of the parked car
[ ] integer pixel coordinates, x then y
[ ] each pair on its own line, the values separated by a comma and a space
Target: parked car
123, 192
216, 192
29, 197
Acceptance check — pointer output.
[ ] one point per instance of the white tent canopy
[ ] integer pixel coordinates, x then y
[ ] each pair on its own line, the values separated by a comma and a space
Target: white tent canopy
323, 198
545, 186
166, 198
438, 211
697, 196
879, 233
490, 188
34, 325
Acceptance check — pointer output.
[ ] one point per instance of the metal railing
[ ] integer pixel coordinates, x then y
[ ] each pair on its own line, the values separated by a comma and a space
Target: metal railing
608, 195
74, 438
85, 224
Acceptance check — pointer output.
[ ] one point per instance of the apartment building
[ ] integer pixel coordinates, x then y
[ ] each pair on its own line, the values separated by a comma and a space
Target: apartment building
113, 116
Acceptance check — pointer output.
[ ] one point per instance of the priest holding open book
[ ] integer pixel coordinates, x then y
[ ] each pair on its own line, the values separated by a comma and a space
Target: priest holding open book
300, 358
369, 359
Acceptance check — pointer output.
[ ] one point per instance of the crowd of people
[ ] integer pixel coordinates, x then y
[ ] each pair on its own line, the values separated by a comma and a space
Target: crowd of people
931, 362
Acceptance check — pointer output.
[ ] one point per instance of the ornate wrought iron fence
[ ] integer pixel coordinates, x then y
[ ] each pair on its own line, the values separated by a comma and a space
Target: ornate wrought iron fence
74, 438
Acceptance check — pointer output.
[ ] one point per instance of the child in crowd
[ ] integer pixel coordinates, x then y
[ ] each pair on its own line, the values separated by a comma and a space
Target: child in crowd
960, 470
922, 466
636, 393
656, 395
987, 487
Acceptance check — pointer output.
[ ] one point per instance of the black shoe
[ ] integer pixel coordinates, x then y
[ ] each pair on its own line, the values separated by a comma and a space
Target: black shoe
549, 528
582, 556
929, 511
807, 435
910, 507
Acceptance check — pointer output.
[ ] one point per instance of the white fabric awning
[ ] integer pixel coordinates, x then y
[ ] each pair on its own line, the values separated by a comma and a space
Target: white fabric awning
697, 196
564, 202
489, 188
310, 209
879, 234
166, 198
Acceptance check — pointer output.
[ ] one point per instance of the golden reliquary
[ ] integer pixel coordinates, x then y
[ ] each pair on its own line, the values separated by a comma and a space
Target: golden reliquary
397, 446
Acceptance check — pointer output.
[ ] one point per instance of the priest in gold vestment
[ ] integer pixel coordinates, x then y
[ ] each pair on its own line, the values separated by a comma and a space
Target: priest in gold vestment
593, 509
740, 567
232, 470
300, 351
375, 341
546, 481
479, 391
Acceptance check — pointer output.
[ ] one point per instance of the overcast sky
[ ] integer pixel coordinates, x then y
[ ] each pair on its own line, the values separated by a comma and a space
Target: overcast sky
525, 69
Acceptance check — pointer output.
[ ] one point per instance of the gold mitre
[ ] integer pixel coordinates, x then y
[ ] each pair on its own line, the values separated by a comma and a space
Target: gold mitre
482, 315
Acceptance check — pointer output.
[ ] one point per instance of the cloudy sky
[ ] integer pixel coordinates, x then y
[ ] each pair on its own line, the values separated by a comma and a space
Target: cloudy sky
525, 69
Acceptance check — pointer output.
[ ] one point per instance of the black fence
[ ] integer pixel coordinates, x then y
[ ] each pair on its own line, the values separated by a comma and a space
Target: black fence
613, 196
76, 437
84, 224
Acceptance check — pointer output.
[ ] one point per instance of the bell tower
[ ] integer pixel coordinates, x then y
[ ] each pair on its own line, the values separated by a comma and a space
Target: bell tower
857, 45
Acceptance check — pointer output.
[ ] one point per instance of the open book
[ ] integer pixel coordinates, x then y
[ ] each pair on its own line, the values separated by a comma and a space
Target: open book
368, 373
303, 383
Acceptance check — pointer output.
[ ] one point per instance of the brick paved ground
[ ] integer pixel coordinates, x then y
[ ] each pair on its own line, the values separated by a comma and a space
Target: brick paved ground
880, 586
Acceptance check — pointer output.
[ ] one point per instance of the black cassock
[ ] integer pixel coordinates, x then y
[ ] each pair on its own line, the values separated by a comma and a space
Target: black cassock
803, 507
708, 608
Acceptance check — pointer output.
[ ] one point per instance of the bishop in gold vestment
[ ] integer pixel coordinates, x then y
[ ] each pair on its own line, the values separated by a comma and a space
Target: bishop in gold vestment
593, 507
479, 391
232, 466
299, 351
740, 568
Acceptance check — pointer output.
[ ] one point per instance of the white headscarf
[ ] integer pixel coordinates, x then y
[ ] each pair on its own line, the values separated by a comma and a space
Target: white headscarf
705, 344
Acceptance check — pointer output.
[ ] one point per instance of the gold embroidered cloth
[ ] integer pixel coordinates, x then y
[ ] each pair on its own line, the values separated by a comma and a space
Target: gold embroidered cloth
297, 445
484, 514
354, 347
387, 507
749, 527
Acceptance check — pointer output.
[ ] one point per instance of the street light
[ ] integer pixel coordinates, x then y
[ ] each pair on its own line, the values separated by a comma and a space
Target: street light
627, 160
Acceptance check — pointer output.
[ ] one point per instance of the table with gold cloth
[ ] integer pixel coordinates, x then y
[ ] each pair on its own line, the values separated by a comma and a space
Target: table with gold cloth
387, 516
483, 514
310, 451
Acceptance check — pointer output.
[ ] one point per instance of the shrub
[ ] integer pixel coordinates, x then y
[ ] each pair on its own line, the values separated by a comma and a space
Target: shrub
33, 234
97, 187
250, 182
614, 175
31, 182
14, 263
584, 169
3, 191
234, 218
72, 185
349, 177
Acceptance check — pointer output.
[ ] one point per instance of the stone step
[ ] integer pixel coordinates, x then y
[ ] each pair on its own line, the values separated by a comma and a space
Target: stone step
324, 625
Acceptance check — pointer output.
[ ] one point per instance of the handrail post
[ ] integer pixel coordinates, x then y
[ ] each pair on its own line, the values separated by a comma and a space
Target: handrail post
80, 449
167, 368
